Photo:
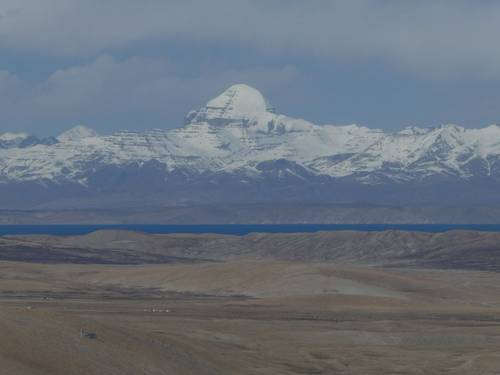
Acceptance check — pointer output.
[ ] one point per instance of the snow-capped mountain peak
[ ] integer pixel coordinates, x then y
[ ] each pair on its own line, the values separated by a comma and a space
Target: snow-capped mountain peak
238, 135
77, 133
239, 102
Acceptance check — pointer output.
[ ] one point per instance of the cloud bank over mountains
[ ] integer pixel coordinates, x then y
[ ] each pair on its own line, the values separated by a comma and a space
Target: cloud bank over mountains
142, 90
127, 63
428, 37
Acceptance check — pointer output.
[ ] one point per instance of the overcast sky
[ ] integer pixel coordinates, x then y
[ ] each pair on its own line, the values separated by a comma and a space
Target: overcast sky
142, 64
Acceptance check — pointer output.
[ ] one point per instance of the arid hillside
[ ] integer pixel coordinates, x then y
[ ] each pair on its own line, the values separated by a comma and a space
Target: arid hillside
452, 249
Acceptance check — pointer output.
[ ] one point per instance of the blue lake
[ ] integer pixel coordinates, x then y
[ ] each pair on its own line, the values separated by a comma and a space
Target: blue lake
239, 229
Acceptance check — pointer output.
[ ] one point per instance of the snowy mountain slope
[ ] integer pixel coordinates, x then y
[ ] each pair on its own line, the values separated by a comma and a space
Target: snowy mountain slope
23, 140
239, 134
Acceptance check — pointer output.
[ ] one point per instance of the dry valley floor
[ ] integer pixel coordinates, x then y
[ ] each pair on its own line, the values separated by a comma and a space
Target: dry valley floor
241, 315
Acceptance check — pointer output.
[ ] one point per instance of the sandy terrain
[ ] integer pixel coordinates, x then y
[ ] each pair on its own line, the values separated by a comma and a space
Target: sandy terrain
242, 316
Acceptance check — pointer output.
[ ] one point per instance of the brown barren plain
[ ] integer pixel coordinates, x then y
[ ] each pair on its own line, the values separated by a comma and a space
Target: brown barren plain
323, 303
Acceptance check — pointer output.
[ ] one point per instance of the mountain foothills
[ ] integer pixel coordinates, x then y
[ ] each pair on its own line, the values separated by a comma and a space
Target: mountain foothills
238, 149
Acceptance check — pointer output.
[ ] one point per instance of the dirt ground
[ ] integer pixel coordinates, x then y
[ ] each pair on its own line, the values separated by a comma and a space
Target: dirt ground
247, 317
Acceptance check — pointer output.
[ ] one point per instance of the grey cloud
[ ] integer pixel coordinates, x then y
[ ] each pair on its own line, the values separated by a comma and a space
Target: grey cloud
10, 85
110, 94
428, 37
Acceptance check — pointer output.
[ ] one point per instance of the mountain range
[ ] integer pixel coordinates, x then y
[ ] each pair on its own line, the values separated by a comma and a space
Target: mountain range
237, 148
